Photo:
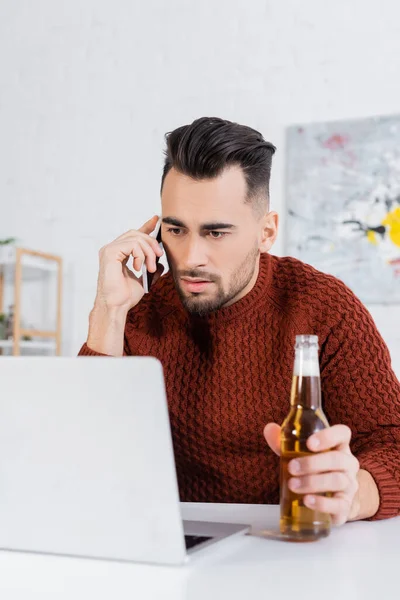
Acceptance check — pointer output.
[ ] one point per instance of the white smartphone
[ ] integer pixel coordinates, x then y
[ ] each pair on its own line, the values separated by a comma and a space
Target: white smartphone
148, 277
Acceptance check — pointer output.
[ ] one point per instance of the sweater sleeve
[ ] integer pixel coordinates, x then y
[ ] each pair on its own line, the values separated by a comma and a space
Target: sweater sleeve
86, 351
360, 389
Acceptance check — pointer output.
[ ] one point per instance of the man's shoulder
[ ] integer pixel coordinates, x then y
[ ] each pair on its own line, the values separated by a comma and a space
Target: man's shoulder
300, 276
303, 287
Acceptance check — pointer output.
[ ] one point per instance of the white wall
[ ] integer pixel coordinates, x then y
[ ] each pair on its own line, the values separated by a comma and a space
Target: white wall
88, 89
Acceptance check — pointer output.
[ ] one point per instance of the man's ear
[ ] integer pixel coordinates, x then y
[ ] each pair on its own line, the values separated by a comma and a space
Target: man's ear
269, 231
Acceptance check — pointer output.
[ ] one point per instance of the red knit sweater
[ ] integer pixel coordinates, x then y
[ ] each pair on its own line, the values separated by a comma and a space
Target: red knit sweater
228, 374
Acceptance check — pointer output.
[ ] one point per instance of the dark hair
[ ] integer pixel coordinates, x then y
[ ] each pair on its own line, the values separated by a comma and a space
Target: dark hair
205, 148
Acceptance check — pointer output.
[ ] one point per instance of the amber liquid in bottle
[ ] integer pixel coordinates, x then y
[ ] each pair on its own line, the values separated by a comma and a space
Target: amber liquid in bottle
305, 418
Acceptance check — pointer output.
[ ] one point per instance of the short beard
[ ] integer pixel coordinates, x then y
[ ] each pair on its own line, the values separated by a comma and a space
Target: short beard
240, 279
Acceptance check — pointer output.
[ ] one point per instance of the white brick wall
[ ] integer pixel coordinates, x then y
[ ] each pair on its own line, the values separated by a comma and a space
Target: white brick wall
87, 90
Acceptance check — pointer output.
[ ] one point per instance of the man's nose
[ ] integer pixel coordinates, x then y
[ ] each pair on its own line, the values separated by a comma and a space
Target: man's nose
196, 254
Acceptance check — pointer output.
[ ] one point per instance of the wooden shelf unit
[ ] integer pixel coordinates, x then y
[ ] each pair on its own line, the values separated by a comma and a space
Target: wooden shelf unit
55, 265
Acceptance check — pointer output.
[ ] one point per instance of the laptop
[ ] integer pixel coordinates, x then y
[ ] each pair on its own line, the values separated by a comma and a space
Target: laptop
86, 462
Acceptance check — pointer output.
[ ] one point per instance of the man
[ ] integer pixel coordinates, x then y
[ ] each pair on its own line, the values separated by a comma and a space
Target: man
223, 323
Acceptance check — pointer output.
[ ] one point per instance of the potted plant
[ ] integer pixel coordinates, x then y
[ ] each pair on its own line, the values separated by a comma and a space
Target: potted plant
2, 326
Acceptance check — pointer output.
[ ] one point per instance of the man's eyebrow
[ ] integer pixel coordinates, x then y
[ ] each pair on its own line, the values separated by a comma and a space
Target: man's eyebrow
173, 221
216, 225
204, 227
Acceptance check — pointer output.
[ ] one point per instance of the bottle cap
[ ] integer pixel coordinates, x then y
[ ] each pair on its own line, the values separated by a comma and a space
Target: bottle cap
306, 340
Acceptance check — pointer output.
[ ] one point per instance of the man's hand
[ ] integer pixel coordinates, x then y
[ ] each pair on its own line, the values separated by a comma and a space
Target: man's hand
332, 468
118, 288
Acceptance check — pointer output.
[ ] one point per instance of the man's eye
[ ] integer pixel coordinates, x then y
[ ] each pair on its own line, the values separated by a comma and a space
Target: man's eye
216, 235
175, 230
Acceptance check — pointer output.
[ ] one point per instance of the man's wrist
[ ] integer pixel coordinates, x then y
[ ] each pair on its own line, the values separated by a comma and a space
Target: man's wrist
106, 329
366, 500
101, 308
111, 313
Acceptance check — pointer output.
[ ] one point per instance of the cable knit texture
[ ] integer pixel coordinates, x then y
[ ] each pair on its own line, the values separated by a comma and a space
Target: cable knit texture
228, 374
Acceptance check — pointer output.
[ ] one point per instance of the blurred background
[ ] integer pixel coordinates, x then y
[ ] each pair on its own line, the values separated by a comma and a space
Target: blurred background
89, 88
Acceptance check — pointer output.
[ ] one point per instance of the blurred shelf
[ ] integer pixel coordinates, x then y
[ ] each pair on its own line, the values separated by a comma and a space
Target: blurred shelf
35, 265
32, 344
18, 265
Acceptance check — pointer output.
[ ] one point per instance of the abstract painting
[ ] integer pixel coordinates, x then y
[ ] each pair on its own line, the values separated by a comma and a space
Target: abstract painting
343, 203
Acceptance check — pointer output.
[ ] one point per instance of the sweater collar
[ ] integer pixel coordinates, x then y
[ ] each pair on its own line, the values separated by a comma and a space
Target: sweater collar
251, 300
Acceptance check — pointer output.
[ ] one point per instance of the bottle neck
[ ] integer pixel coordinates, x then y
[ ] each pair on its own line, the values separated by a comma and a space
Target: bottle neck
306, 384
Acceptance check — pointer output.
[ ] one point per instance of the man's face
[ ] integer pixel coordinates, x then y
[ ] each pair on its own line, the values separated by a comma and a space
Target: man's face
212, 238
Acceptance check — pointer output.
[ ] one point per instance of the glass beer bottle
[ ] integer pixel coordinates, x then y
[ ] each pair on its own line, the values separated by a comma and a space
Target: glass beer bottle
305, 418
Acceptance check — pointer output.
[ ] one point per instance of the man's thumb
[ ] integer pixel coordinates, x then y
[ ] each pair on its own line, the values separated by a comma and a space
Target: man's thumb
272, 433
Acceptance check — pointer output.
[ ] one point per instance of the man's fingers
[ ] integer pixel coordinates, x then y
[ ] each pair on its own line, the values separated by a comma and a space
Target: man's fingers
337, 436
272, 434
150, 256
134, 235
150, 225
338, 506
334, 460
138, 257
317, 484
137, 247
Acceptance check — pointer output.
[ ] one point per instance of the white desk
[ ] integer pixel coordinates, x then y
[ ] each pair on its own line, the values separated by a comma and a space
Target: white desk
357, 561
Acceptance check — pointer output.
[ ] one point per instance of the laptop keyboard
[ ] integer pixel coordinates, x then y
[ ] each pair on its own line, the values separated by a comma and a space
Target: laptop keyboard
194, 540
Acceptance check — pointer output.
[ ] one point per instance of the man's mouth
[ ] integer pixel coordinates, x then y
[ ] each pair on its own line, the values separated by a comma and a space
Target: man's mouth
195, 284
